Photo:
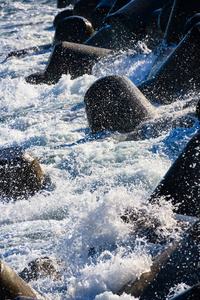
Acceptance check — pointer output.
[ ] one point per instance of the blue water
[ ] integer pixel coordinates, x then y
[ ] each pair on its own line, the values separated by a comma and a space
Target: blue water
94, 180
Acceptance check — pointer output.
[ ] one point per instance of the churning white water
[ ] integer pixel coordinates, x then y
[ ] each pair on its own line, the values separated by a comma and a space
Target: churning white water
77, 219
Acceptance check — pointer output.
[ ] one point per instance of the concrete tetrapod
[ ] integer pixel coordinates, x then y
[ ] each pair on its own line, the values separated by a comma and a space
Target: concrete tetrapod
74, 29
179, 73
117, 37
108, 38
68, 58
181, 184
11, 285
20, 173
115, 103
128, 23
179, 263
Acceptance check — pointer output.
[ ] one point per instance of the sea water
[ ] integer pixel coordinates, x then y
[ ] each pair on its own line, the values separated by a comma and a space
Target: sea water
94, 180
